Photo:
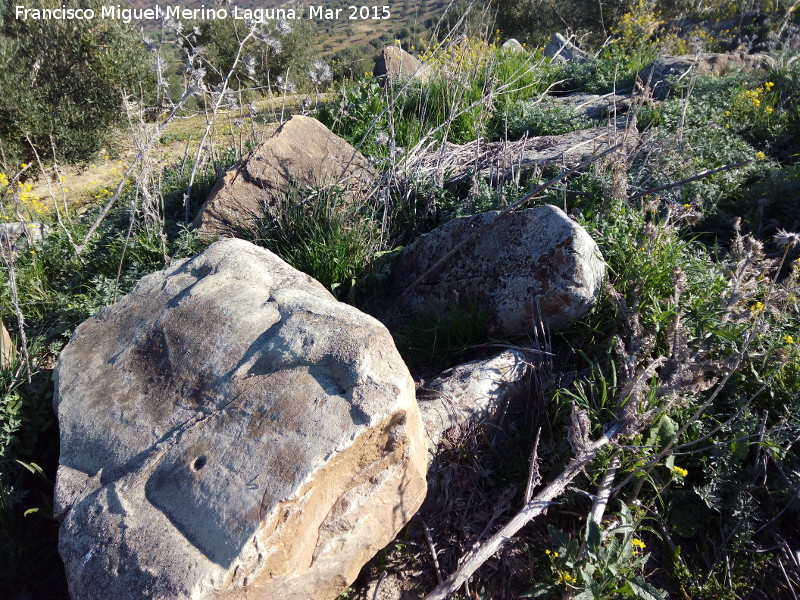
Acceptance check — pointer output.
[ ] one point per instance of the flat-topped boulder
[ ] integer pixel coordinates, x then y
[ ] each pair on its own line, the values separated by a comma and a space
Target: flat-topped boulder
229, 430
302, 153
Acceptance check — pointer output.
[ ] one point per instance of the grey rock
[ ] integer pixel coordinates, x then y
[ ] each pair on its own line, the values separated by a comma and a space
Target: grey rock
17, 235
229, 431
659, 76
302, 153
513, 46
538, 255
474, 392
561, 49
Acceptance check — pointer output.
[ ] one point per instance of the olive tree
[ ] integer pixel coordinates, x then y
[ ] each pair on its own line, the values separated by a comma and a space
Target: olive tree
63, 81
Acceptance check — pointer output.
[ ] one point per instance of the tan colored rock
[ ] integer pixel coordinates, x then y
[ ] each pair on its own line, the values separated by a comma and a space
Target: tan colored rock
302, 153
230, 431
658, 73
7, 349
394, 63
538, 255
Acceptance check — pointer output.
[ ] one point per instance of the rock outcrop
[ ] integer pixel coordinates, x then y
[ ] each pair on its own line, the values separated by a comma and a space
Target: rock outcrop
659, 73
538, 255
561, 49
473, 392
302, 153
394, 63
230, 431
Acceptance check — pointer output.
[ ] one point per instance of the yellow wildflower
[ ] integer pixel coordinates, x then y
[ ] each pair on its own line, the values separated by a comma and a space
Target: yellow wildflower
680, 471
788, 339
566, 577
757, 307
768, 86
3, 180
638, 544
760, 156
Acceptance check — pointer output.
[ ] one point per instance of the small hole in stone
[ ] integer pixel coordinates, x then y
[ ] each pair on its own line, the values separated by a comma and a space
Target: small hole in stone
199, 463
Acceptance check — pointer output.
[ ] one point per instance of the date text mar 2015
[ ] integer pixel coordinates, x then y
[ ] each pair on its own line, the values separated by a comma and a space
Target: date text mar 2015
352, 13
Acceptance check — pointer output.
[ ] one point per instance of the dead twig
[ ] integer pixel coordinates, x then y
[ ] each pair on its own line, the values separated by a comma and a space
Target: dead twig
532, 509
534, 478
697, 177
432, 548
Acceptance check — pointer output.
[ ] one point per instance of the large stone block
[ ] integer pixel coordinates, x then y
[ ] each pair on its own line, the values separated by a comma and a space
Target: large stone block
230, 430
529, 257
302, 153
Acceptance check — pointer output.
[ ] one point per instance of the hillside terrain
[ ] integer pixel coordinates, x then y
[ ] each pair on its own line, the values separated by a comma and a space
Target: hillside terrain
572, 273
408, 17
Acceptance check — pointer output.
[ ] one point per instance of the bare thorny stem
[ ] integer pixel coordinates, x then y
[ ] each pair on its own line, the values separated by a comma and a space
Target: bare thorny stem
702, 408
210, 121
8, 259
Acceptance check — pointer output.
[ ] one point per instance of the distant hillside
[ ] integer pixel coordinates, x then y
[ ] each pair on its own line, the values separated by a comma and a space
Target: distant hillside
408, 20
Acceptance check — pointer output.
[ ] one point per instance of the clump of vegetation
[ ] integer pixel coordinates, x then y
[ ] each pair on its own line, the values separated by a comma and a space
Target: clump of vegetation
64, 82
325, 233
525, 118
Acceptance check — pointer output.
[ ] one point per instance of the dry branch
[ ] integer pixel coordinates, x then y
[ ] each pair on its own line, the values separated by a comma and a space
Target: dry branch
532, 509
499, 160
697, 177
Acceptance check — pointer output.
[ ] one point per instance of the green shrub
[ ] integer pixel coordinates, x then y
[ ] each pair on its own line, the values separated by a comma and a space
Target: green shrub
613, 69
65, 80
547, 118
323, 233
